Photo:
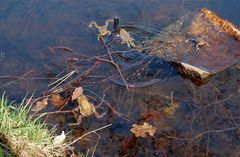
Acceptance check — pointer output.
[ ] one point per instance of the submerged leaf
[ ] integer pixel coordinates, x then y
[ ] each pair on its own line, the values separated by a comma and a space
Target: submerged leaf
143, 130
40, 105
76, 93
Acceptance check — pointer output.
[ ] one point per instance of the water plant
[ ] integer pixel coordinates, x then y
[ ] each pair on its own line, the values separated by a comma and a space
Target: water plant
24, 135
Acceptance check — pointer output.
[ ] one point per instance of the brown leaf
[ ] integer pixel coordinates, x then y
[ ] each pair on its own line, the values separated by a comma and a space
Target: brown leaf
142, 130
171, 109
57, 100
85, 107
76, 93
40, 105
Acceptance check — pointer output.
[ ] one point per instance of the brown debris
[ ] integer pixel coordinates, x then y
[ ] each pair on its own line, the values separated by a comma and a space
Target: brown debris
57, 100
143, 130
40, 105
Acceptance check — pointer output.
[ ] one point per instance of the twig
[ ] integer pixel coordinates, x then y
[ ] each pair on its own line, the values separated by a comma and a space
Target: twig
221, 27
110, 106
61, 80
201, 134
117, 67
51, 50
54, 112
95, 147
111, 60
64, 48
171, 97
84, 75
119, 70
93, 131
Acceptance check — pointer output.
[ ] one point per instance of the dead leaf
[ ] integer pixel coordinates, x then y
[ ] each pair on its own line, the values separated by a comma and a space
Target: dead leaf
85, 107
57, 100
142, 130
40, 105
171, 109
76, 93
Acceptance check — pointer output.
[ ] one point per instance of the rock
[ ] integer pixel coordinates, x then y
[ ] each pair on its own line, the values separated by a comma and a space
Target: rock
199, 44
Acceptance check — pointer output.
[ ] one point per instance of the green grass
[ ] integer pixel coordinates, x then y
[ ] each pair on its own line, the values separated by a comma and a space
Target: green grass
25, 136
4, 152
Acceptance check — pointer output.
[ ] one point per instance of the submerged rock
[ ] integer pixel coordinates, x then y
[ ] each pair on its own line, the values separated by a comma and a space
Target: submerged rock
199, 44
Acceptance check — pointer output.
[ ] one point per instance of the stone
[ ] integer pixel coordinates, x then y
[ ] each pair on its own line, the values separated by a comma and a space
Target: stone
199, 44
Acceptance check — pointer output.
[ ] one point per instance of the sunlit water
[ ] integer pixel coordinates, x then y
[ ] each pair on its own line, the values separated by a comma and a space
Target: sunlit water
207, 120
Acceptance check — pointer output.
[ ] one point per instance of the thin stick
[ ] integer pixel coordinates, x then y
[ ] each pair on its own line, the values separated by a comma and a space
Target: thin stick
93, 131
201, 134
88, 71
117, 67
61, 78
66, 77
64, 48
54, 112
119, 70
172, 97
51, 50
221, 27
95, 147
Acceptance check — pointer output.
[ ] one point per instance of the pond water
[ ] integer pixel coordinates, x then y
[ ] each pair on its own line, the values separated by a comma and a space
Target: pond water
206, 121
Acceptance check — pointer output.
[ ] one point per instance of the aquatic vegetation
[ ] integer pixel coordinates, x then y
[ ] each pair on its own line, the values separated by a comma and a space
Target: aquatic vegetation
24, 135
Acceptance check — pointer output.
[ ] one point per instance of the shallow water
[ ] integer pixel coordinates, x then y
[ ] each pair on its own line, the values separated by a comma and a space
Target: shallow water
207, 120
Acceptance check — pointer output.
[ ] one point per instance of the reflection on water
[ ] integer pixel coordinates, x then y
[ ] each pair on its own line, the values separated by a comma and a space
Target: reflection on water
206, 122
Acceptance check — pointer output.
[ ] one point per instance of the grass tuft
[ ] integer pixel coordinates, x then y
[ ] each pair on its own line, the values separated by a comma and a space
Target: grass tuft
26, 136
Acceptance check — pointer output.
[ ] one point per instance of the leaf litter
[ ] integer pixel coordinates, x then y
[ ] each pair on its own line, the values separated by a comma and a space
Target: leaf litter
143, 130
57, 100
40, 105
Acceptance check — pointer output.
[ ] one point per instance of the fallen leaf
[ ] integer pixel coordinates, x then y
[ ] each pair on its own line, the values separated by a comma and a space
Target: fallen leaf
40, 105
59, 139
76, 93
171, 109
85, 107
57, 100
143, 130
